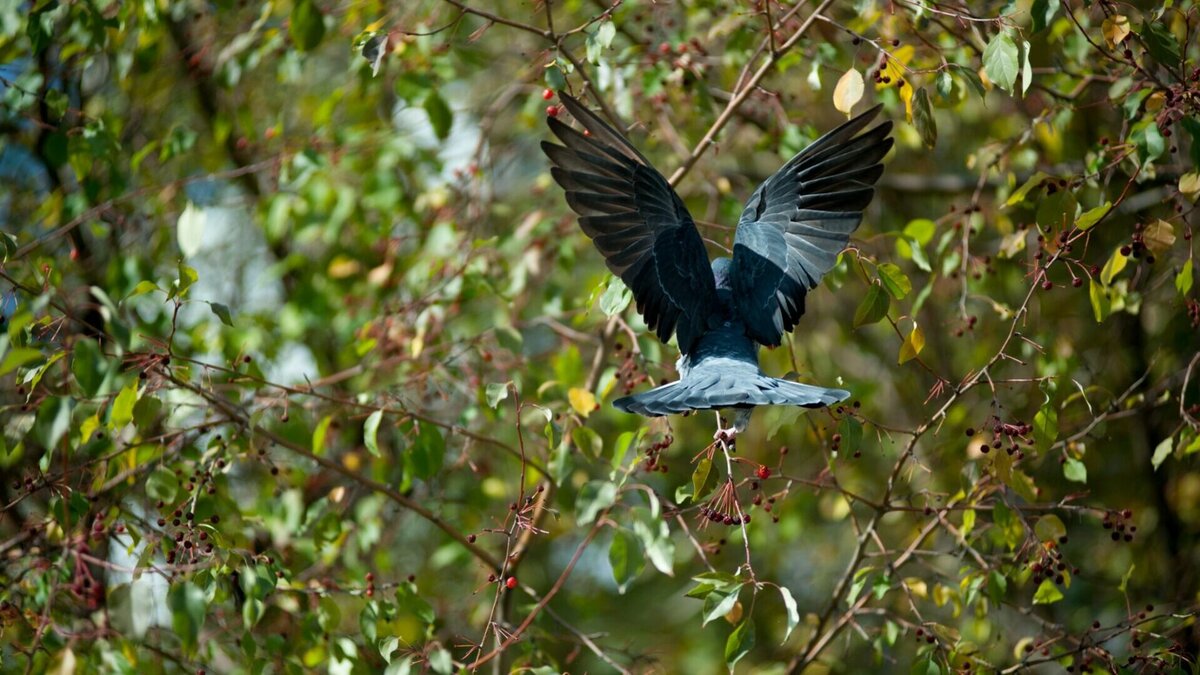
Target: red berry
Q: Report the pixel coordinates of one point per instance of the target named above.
(547, 94)
(510, 583)
(552, 110)
(763, 472)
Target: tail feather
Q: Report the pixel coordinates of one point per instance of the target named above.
(711, 391)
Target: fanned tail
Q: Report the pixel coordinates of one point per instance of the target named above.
(712, 391)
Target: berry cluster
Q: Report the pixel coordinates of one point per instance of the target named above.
(724, 507)
(653, 461)
(1012, 434)
(1121, 524)
(1050, 563)
(190, 539)
(628, 376)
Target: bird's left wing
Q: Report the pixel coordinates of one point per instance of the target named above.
(638, 222)
(797, 222)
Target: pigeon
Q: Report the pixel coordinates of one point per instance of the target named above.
(721, 312)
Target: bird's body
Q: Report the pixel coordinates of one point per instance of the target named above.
(788, 237)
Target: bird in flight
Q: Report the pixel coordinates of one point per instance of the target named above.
(789, 235)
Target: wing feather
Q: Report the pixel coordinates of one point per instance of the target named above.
(798, 220)
(638, 222)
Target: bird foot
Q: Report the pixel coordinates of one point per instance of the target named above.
(726, 437)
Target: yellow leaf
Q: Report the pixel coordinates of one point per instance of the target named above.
(582, 400)
(917, 586)
(734, 615)
(913, 344)
(849, 91)
(1158, 236)
(1113, 267)
(1115, 29)
(1189, 184)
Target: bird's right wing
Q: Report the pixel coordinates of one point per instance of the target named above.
(638, 222)
(797, 222)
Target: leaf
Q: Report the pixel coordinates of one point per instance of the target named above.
(1101, 305)
(1161, 43)
(371, 432)
(700, 477)
(625, 558)
(1034, 181)
(440, 116)
(306, 25)
(897, 284)
(162, 484)
(1075, 470)
(1042, 13)
(1158, 236)
(793, 613)
(408, 600)
(1092, 216)
(873, 308)
(1057, 211)
(852, 433)
(1026, 68)
(1189, 184)
(582, 401)
(1000, 61)
(1183, 280)
(717, 605)
(373, 49)
(1162, 451)
(1045, 428)
(1050, 528)
(188, 607)
(496, 392)
(740, 642)
(923, 118)
(222, 312)
(424, 459)
(913, 344)
(605, 33)
(122, 408)
(319, 434)
(616, 297)
(1047, 593)
(594, 497)
(849, 91)
(189, 230)
(1115, 29)
(88, 365)
(1113, 267)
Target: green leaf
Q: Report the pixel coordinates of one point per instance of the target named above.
(1043, 12)
(408, 601)
(625, 558)
(146, 412)
(222, 312)
(371, 432)
(1000, 61)
(1101, 305)
(1126, 577)
(189, 229)
(555, 78)
(17, 358)
(424, 459)
(1116, 263)
(440, 116)
(897, 284)
(1074, 470)
(700, 477)
(1050, 528)
(88, 365)
(162, 484)
(1161, 43)
(873, 308)
(740, 642)
(923, 118)
(1162, 451)
(616, 297)
(122, 408)
(717, 605)
(1183, 280)
(1047, 593)
(793, 613)
(188, 607)
(1093, 216)
(496, 392)
(306, 25)
(594, 497)
(1019, 195)
(1045, 428)
(1057, 211)
(319, 434)
(1026, 68)
(852, 432)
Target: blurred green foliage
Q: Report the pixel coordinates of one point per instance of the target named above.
(306, 364)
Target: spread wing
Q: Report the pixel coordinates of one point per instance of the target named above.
(638, 222)
(797, 222)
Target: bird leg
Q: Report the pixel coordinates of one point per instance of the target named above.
(724, 436)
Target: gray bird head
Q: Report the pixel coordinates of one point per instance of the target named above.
(721, 268)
